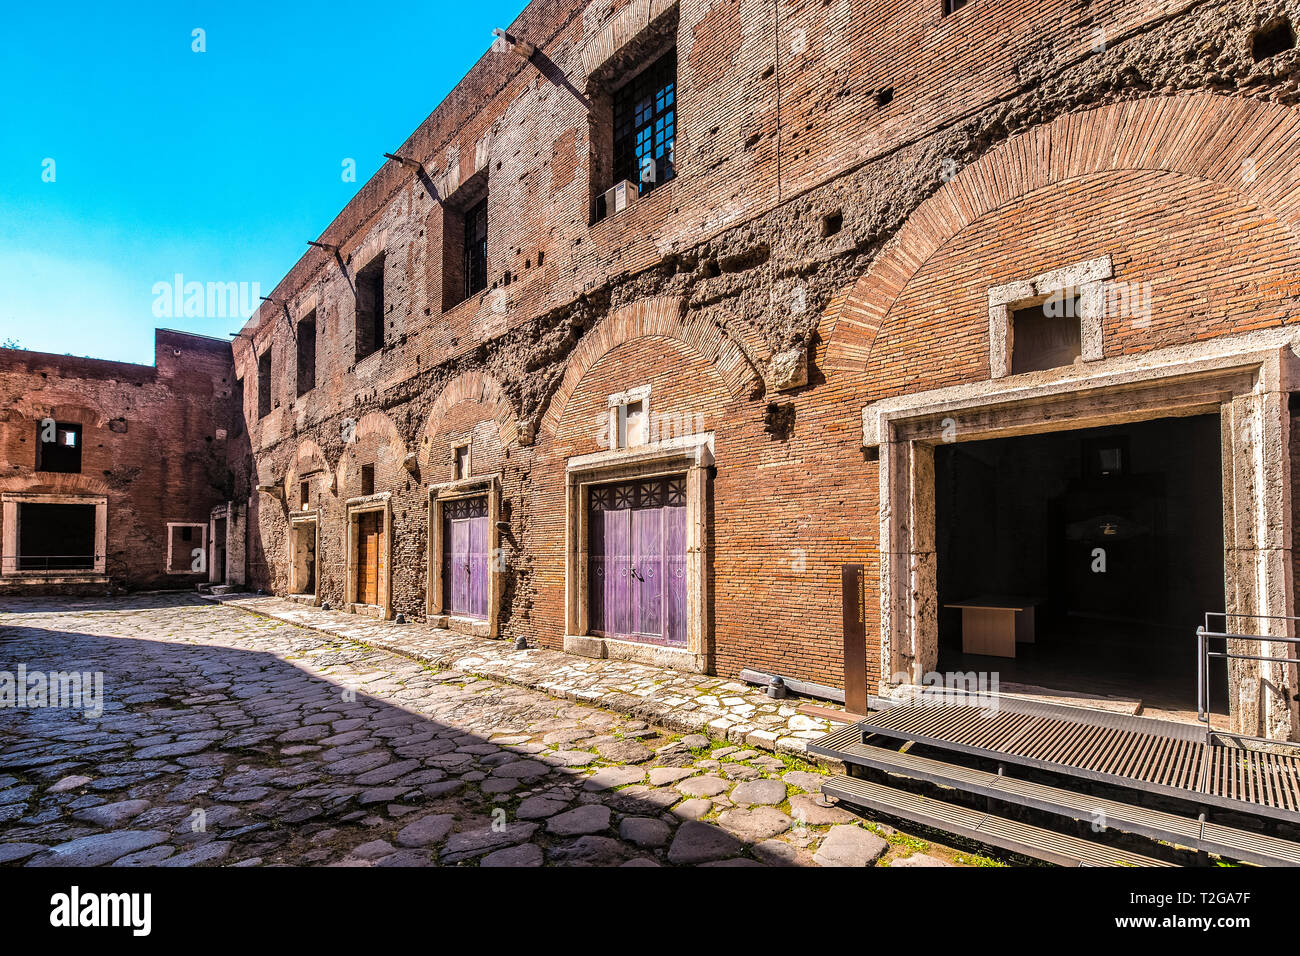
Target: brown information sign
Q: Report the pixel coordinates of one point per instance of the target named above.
(854, 585)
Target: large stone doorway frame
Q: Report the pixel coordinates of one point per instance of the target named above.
(9, 545)
(485, 486)
(230, 521)
(691, 455)
(304, 539)
(1246, 380)
(380, 503)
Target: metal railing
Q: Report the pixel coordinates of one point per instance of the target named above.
(15, 563)
(1204, 635)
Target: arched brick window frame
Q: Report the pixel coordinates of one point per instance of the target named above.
(1249, 151)
(1241, 145)
(659, 316)
(483, 390)
(310, 467)
(379, 427)
(692, 456)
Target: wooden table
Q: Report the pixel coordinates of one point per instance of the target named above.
(993, 626)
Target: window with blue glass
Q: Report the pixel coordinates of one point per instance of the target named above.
(476, 226)
(645, 115)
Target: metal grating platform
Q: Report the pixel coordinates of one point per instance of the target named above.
(1172, 828)
(1134, 752)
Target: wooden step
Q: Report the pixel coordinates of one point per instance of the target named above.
(1012, 835)
(1113, 814)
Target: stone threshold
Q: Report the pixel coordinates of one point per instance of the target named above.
(717, 707)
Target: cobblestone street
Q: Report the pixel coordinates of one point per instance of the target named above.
(228, 738)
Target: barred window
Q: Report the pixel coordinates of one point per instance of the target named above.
(645, 123)
(476, 225)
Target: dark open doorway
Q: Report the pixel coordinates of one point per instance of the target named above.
(56, 537)
(1109, 541)
(217, 570)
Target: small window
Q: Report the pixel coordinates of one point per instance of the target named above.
(632, 424)
(306, 354)
(264, 383)
(367, 480)
(465, 241)
(952, 6)
(460, 462)
(58, 447)
(370, 308)
(304, 495)
(186, 548)
(1105, 458)
(645, 121)
(476, 227)
(237, 400)
(1046, 335)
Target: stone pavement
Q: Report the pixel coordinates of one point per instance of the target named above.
(234, 739)
(685, 703)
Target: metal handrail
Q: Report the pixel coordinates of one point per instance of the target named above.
(42, 562)
(1203, 656)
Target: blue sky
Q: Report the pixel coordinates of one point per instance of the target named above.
(217, 165)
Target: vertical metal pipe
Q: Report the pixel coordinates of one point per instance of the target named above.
(1201, 666)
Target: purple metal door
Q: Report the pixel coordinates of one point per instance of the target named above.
(597, 571)
(637, 560)
(675, 571)
(465, 557)
(478, 567)
(646, 571)
(459, 566)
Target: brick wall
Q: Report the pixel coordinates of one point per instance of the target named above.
(152, 442)
(844, 186)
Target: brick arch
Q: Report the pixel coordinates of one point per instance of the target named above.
(307, 454)
(620, 30)
(80, 414)
(378, 425)
(47, 482)
(379, 429)
(1201, 135)
(482, 389)
(661, 316)
(61, 406)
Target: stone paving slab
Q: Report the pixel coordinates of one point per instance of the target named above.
(235, 739)
(683, 703)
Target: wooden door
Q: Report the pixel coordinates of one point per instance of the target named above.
(637, 560)
(465, 557)
(368, 532)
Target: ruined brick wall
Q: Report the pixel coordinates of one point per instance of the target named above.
(154, 442)
(809, 142)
